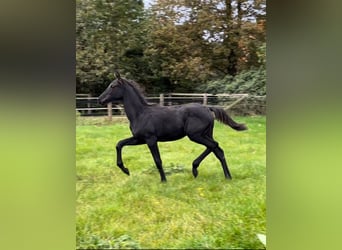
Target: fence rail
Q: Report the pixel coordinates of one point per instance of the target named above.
(241, 104)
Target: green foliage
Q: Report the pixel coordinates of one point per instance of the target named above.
(251, 81)
(107, 32)
(174, 46)
(185, 213)
(193, 40)
(216, 86)
(261, 53)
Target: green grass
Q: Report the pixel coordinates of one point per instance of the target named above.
(138, 211)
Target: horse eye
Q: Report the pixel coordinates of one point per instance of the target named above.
(112, 86)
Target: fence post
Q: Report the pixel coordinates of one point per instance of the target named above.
(161, 99)
(205, 99)
(237, 101)
(170, 102)
(109, 108)
(88, 104)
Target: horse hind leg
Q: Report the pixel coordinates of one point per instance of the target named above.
(198, 161)
(198, 138)
(220, 155)
(212, 146)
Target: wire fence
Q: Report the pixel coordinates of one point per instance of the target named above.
(236, 104)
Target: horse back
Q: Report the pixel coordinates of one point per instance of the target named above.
(172, 122)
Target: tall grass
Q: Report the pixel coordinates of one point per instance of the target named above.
(138, 211)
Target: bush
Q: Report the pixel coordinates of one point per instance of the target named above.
(251, 82)
(217, 86)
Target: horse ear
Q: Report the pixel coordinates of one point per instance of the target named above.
(117, 74)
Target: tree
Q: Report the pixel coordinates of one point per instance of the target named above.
(194, 41)
(108, 35)
(177, 46)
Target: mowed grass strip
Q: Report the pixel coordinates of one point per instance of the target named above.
(206, 212)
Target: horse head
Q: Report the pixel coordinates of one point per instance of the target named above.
(114, 91)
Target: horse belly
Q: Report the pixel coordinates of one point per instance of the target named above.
(170, 130)
(172, 137)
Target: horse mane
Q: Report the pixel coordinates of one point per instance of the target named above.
(138, 90)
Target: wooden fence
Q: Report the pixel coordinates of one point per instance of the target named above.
(242, 104)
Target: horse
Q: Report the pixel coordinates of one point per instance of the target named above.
(152, 123)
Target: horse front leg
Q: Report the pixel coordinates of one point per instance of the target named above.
(153, 146)
(119, 146)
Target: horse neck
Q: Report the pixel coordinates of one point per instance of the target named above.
(134, 104)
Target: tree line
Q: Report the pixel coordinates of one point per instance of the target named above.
(174, 46)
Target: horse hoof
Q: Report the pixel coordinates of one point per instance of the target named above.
(194, 172)
(125, 170)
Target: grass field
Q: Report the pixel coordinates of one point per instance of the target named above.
(114, 210)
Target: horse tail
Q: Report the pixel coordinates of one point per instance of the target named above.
(223, 117)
